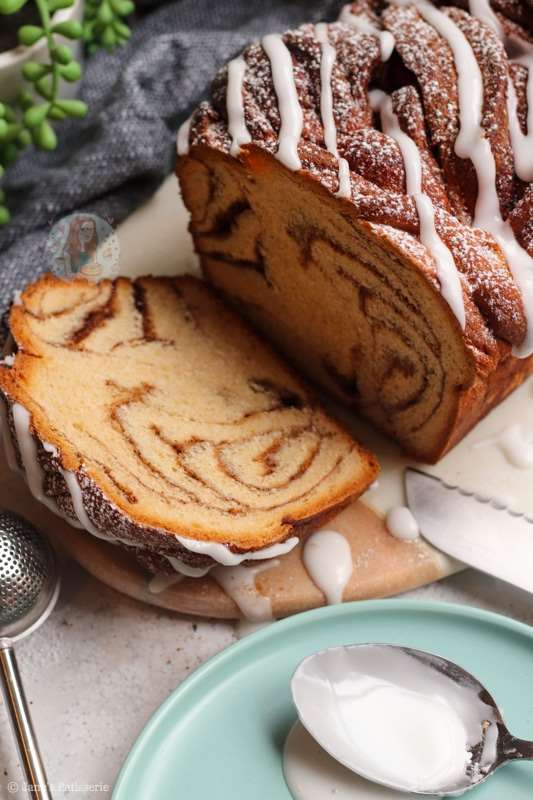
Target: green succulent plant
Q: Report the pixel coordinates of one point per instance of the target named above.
(104, 24)
(31, 118)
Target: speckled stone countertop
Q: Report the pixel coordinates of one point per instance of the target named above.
(102, 664)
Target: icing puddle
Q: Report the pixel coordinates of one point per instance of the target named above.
(239, 584)
(494, 460)
(401, 524)
(515, 445)
(312, 774)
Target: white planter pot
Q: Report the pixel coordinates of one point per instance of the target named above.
(12, 61)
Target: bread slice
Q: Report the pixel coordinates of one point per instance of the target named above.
(173, 417)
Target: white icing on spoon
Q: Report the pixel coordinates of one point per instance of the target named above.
(472, 144)
(363, 25)
(290, 111)
(327, 61)
(401, 524)
(235, 105)
(522, 142)
(327, 558)
(394, 715)
(239, 584)
(447, 272)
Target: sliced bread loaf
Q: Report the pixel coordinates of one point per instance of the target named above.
(150, 412)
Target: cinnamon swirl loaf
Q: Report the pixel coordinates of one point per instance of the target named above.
(148, 413)
(361, 191)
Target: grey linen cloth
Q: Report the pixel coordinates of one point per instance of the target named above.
(111, 161)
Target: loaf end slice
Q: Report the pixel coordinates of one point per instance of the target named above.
(174, 418)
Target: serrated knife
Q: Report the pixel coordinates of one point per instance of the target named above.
(477, 530)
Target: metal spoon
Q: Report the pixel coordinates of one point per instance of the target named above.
(29, 586)
(325, 680)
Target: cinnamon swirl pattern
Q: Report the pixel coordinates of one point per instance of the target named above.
(374, 217)
(148, 412)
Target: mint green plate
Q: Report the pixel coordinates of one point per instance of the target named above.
(220, 735)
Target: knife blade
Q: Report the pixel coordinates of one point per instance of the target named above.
(477, 530)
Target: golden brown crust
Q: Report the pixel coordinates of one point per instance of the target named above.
(422, 81)
(375, 158)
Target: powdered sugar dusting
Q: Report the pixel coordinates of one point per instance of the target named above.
(428, 112)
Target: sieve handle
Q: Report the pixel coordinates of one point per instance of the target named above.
(17, 706)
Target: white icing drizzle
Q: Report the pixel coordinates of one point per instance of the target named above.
(345, 181)
(227, 558)
(32, 469)
(160, 582)
(363, 25)
(182, 143)
(50, 448)
(522, 143)
(239, 584)
(290, 111)
(28, 453)
(328, 57)
(472, 144)
(327, 558)
(447, 272)
(401, 524)
(77, 501)
(514, 444)
(186, 570)
(30, 461)
(235, 105)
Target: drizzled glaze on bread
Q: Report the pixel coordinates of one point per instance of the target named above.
(350, 287)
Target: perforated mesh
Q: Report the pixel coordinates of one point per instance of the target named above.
(23, 567)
